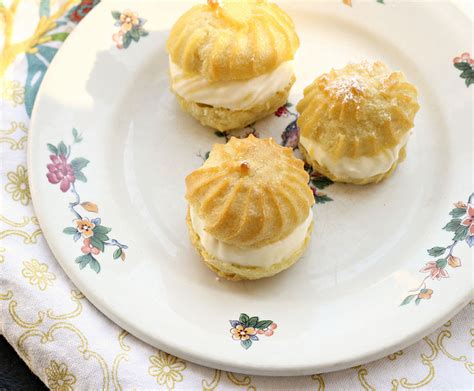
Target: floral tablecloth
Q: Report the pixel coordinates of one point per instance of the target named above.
(63, 338)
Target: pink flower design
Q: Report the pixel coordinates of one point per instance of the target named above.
(118, 39)
(435, 271)
(89, 248)
(269, 330)
(469, 220)
(60, 171)
(282, 111)
(465, 57)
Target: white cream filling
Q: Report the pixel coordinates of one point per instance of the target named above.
(264, 256)
(359, 168)
(235, 94)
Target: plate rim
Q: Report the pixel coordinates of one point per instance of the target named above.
(252, 370)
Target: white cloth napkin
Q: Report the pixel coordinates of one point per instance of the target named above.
(71, 345)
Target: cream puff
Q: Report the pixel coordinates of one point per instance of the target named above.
(355, 122)
(231, 63)
(249, 213)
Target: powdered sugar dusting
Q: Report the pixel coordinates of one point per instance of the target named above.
(349, 89)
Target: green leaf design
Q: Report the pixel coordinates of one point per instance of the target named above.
(321, 182)
(252, 322)
(263, 324)
(101, 237)
(117, 253)
(143, 33)
(246, 344)
(79, 163)
(469, 81)
(80, 176)
(52, 149)
(441, 263)
(60, 37)
(453, 225)
(408, 299)
(94, 264)
(76, 135)
(127, 39)
(97, 243)
(244, 318)
(462, 66)
(381, 1)
(461, 233)
(62, 148)
(467, 73)
(116, 15)
(458, 212)
(322, 198)
(417, 301)
(436, 251)
(83, 260)
(135, 34)
(70, 230)
(100, 229)
(288, 104)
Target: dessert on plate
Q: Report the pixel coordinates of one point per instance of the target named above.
(231, 63)
(355, 122)
(249, 213)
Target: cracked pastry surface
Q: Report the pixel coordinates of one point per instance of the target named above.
(249, 208)
(234, 60)
(355, 122)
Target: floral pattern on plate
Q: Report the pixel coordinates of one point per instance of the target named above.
(290, 138)
(94, 235)
(465, 63)
(462, 224)
(246, 329)
(131, 28)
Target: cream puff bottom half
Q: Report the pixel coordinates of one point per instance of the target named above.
(226, 119)
(345, 179)
(234, 272)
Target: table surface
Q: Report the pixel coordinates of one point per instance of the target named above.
(14, 373)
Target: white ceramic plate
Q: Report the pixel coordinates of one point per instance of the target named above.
(340, 305)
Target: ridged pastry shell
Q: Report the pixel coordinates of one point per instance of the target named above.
(239, 39)
(234, 272)
(250, 192)
(358, 110)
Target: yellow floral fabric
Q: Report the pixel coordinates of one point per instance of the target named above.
(70, 345)
(18, 185)
(37, 274)
(12, 91)
(59, 378)
(167, 369)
